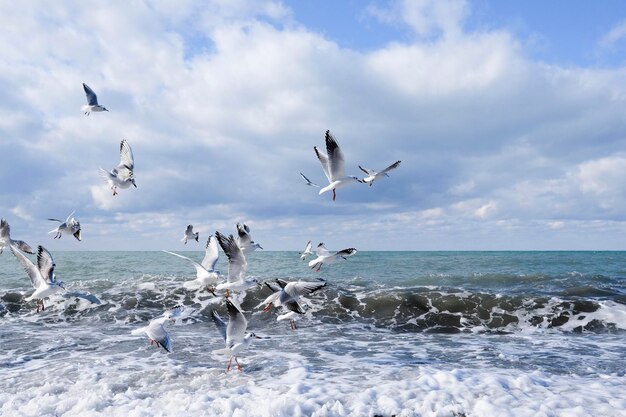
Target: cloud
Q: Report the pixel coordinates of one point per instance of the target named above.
(222, 103)
(616, 35)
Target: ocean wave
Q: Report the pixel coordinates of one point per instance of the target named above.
(417, 309)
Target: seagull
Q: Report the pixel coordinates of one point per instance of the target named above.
(374, 175)
(92, 101)
(156, 331)
(206, 276)
(244, 240)
(237, 265)
(308, 181)
(333, 165)
(307, 251)
(41, 276)
(189, 234)
(70, 226)
(234, 333)
(5, 239)
(121, 176)
(287, 294)
(324, 256)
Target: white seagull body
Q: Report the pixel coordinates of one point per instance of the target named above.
(324, 256)
(92, 101)
(206, 276)
(334, 166)
(5, 239)
(234, 333)
(189, 234)
(71, 226)
(374, 175)
(307, 251)
(244, 240)
(156, 331)
(122, 176)
(41, 276)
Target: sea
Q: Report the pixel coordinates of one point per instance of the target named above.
(456, 334)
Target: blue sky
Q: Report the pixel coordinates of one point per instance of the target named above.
(509, 119)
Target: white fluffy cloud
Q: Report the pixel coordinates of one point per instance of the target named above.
(223, 102)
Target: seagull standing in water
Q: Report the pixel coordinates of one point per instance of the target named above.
(41, 276)
(189, 234)
(237, 265)
(206, 276)
(70, 226)
(374, 175)
(244, 240)
(324, 256)
(122, 176)
(92, 101)
(5, 239)
(234, 333)
(334, 166)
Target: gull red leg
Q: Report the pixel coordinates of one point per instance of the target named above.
(238, 366)
(229, 362)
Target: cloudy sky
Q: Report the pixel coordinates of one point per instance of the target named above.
(509, 119)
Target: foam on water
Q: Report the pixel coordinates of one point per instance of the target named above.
(453, 340)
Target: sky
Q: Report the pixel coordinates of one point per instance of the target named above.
(509, 119)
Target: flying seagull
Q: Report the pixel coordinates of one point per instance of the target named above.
(189, 234)
(92, 101)
(334, 166)
(206, 276)
(234, 333)
(5, 239)
(374, 175)
(324, 256)
(237, 265)
(41, 276)
(156, 331)
(307, 251)
(70, 226)
(308, 181)
(122, 176)
(244, 240)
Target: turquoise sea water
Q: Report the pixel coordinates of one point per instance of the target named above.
(458, 333)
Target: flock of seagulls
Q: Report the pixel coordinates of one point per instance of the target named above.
(289, 296)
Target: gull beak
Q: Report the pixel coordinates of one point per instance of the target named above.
(258, 337)
(173, 321)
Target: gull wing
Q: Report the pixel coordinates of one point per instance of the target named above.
(69, 217)
(346, 252)
(236, 260)
(296, 289)
(92, 99)
(336, 164)
(273, 286)
(45, 263)
(219, 323)
(308, 181)
(390, 167)
(211, 254)
(307, 250)
(324, 161)
(200, 270)
(321, 250)
(126, 156)
(367, 170)
(237, 324)
(23, 246)
(33, 273)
